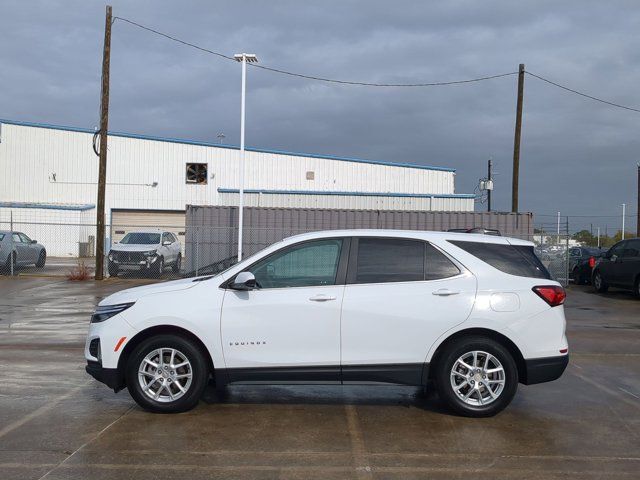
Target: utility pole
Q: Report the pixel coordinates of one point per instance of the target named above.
(624, 208)
(104, 126)
(243, 58)
(490, 183)
(638, 208)
(516, 141)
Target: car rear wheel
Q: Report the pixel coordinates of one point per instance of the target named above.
(167, 374)
(7, 264)
(598, 283)
(177, 264)
(42, 258)
(476, 376)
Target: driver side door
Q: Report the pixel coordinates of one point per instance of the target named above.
(288, 329)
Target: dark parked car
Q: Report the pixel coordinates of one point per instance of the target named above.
(581, 263)
(25, 251)
(619, 267)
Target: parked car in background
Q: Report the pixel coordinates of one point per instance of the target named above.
(25, 250)
(581, 263)
(474, 314)
(148, 250)
(619, 267)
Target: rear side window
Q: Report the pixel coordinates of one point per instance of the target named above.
(517, 260)
(438, 265)
(632, 249)
(382, 260)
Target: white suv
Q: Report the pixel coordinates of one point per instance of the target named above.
(475, 314)
(148, 250)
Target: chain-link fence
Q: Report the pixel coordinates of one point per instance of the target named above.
(169, 252)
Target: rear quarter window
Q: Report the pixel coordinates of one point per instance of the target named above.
(519, 260)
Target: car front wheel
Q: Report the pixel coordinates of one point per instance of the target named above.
(598, 283)
(476, 376)
(42, 259)
(167, 374)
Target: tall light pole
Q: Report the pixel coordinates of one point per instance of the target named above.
(624, 208)
(243, 58)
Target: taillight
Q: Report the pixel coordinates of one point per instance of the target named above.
(592, 262)
(552, 294)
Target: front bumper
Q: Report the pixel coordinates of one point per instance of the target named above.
(111, 377)
(547, 369)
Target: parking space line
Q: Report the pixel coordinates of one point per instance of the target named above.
(607, 390)
(40, 411)
(627, 391)
(89, 441)
(363, 470)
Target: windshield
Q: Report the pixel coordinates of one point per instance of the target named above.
(141, 238)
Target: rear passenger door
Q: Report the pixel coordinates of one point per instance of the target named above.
(401, 295)
(629, 263)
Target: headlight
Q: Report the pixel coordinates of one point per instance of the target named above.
(110, 255)
(150, 253)
(108, 311)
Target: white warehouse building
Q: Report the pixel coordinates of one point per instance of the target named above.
(48, 183)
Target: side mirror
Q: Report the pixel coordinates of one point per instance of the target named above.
(166, 243)
(244, 281)
(34, 241)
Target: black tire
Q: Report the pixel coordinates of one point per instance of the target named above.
(42, 258)
(177, 264)
(158, 268)
(599, 285)
(199, 371)
(112, 269)
(6, 268)
(457, 349)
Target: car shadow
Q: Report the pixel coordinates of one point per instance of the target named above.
(370, 395)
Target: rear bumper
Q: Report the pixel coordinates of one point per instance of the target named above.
(547, 369)
(109, 376)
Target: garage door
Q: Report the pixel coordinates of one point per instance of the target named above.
(125, 221)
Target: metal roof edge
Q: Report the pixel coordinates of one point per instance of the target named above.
(48, 206)
(231, 147)
(356, 194)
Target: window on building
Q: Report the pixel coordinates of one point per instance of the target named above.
(197, 173)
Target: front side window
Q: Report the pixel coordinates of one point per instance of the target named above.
(24, 238)
(305, 265)
(517, 260)
(617, 249)
(141, 238)
(382, 260)
(16, 238)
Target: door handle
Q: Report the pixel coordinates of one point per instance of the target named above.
(445, 292)
(321, 298)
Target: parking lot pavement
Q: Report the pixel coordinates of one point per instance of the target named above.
(56, 422)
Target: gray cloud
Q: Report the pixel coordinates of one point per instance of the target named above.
(577, 156)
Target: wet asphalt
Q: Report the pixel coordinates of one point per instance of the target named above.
(58, 423)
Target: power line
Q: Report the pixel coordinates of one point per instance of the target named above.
(312, 77)
(583, 94)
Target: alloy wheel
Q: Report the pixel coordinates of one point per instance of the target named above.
(477, 378)
(165, 374)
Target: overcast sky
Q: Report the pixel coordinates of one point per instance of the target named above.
(577, 156)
